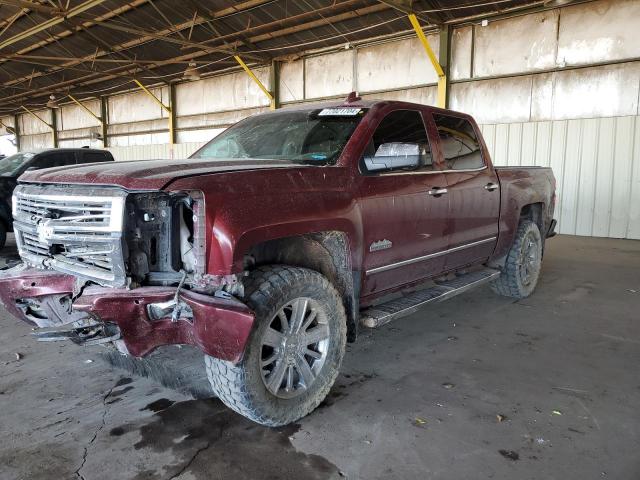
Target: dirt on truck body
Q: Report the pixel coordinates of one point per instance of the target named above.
(274, 243)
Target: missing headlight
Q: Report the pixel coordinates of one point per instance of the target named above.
(162, 237)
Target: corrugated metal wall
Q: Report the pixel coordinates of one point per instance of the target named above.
(596, 163)
(148, 152)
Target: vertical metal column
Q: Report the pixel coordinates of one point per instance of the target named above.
(16, 126)
(275, 83)
(105, 121)
(54, 127)
(172, 114)
(444, 58)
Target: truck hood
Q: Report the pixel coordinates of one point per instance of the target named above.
(146, 174)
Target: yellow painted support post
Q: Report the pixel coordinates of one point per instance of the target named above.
(100, 119)
(86, 109)
(12, 129)
(36, 116)
(172, 135)
(272, 101)
(51, 126)
(442, 78)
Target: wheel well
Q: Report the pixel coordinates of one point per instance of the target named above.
(533, 212)
(324, 252)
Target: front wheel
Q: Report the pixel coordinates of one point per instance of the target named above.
(520, 274)
(294, 353)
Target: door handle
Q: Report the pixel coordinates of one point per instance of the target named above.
(436, 192)
(491, 186)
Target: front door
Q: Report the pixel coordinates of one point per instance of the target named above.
(404, 225)
(473, 189)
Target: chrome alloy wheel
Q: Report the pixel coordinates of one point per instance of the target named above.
(294, 348)
(529, 262)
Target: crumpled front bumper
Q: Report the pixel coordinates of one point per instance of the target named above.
(220, 327)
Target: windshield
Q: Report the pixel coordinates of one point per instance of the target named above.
(312, 136)
(10, 166)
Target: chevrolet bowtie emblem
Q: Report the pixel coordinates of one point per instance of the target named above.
(45, 231)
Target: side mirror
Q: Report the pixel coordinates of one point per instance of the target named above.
(394, 155)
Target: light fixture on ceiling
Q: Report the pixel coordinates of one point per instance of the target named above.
(191, 73)
(51, 103)
(557, 3)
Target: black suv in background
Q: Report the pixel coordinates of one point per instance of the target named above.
(15, 165)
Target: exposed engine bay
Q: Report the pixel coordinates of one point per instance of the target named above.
(126, 242)
(110, 237)
(162, 238)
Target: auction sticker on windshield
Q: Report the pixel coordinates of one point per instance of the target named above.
(339, 112)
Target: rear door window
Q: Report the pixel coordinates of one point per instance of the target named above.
(459, 142)
(92, 157)
(49, 160)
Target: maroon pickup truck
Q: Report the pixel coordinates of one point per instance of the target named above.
(275, 242)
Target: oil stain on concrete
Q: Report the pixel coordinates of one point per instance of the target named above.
(213, 442)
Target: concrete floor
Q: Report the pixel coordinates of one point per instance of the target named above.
(420, 398)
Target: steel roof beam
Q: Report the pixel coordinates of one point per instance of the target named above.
(137, 41)
(300, 27)
(66, 33)
(72, 12)
(178, 41)
(93, 60)
(35, 7)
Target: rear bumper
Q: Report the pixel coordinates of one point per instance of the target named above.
(220, 327)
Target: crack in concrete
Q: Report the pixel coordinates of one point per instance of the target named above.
(190, 462)
(95, 434)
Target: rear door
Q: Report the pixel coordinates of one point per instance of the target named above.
(403, 225)
(473, 191)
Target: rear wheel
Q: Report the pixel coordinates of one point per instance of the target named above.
(294, 353)
(522, 268)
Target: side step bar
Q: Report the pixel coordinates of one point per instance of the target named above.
(382, 314)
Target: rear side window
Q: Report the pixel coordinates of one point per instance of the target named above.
(399, 143)
(460, 145)
(49, 160)
(92, 157)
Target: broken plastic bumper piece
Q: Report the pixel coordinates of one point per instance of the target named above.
(139, 319)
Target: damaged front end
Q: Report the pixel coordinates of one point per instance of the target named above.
(108, 266)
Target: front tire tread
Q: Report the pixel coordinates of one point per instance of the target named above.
(230, 382)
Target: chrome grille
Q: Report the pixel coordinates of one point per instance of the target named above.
(74, 230)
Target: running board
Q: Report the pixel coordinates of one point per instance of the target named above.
(382, 314)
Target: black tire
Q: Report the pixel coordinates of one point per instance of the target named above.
(3, 235)
(241, 386)
(516, 280)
